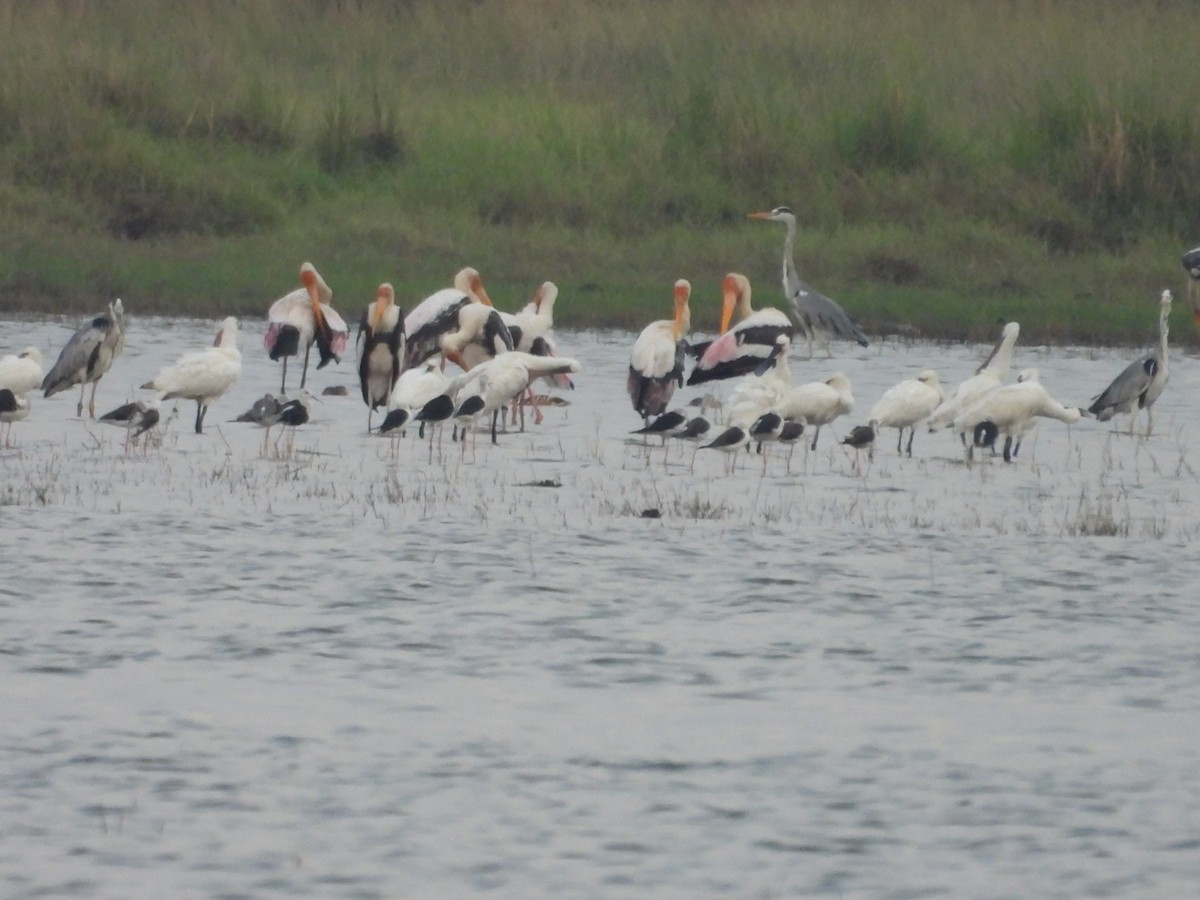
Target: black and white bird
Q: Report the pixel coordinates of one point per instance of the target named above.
(380, 348)
(13, 408)
(290, 414)
(1141, 383)
(88, 355)
(819, 316)
(729, 442)
(136, 418)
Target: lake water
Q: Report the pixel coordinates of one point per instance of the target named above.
(351, 671)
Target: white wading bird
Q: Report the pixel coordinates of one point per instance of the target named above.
(818, 403)
(88, 355)
(1142, 381)
(1009, 411)
(656, 363)
(819, 316)
(488, 387)
(991, 373)
(904, 405)
(414, 388)
(380, 348)
(301, 318)
(21, 373)
(740, 349)
(202, 376)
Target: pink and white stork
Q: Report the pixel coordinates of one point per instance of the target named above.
(301, 318)
(741, 349)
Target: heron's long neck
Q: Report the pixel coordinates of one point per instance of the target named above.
(1162, 333)
(790, 277)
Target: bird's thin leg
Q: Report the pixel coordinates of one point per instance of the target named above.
(816, 434)
(1008, 441)
(912, 431)
(92, 399)
(79, 407)
(304, 374)
(1149, 420)
(495, 419)
(283, 381)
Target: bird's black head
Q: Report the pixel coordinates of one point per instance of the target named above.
(1150, 364)
(1191, 262)
(985, 434)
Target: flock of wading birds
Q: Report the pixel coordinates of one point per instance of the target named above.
(402, 369)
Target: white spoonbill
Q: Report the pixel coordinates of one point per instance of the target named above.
(740, 349)
(818, 403)
(1009, 411)
(88, 355)
(301, 318)
(491, 385)
(758, 393)
(906, 405)
(21, 373)
(380, 347)
(1142, 381)
(819, 316)
(656, 363)
(202, 376)
(991, 373)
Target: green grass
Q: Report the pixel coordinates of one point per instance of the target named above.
(951, 163)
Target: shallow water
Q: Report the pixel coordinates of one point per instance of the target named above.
(353, 672)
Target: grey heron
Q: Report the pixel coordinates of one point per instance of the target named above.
(88, 355)
(1142, 381)
(819, 316)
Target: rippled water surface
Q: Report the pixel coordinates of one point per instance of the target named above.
(354, 671)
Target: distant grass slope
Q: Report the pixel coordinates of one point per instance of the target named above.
(951, 163)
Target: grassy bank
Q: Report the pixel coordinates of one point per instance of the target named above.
(951, 163)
